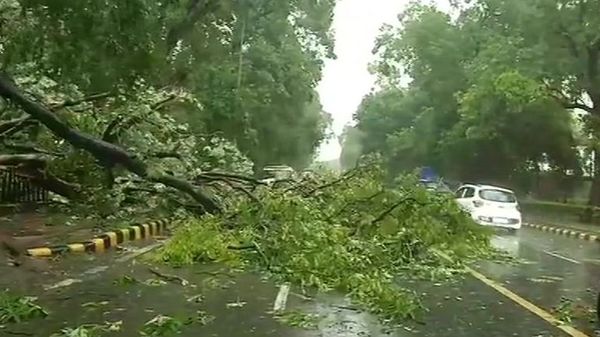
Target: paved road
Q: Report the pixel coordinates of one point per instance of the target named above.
(554, 267)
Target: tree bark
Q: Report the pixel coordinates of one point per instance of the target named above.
(108, 154)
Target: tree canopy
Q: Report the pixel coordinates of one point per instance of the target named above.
(146, 85)
(488, 83)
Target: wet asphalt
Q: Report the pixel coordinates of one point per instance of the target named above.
(551, 268)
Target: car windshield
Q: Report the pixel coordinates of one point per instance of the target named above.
(497, 195)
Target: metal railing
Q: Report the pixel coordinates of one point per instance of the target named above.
(18, 189)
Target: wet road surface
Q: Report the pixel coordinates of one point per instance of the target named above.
(241, 304)
(554, 267)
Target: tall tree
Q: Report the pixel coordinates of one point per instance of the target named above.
(115, 84)
(474, 92)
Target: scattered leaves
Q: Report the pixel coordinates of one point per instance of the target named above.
(126, 280)
(299, 319)
(236, 304)
(162, 325)
(89, 330)
(15, 309)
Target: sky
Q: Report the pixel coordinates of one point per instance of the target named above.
(346, 79)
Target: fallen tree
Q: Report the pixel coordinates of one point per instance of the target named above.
(107, 154)
(352, 234)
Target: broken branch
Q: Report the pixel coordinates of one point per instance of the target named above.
(392, 208)
(239, 177)
(10, 127)
(32, 149)
(106, 153)
(31, 160)
(90, 98)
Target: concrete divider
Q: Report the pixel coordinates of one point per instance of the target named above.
(104, 241)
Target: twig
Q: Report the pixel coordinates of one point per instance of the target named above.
(348, 175)
(215, 273)
(90, 98)
(11, 127)
(109, 133)
(250, 246)
(346, 307)
(170, 278)
(158, 105)
(18, 333)
(212, 175)
(262, 254)
(392, 208)
(32, 149)
(238, 188)
(301, 296)
(341, 210)
(253, 246)
(140, 189)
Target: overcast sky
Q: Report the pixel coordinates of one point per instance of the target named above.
(346, 79)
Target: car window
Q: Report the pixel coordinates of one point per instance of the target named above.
(459, 192)
(497, 195)
(469, 192)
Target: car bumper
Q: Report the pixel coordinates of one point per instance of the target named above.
(488, 221)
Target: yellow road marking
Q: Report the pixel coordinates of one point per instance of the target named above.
(571, 331)
(534, 309)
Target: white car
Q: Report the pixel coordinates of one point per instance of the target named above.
(490, 205)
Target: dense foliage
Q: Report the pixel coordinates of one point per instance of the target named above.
(183, 86)
(351, 234)
(490, 82)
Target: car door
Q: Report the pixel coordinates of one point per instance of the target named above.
(467, 199)
(458, 195)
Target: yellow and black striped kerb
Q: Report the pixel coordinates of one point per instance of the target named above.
(564, 231)
(104, 241)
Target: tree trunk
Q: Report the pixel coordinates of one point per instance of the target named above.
(106, 153)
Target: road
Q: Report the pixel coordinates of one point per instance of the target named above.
(553, 266)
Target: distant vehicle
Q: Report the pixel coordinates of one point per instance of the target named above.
(437, 186)
(429, 174)
(490, 205)
(274, 173)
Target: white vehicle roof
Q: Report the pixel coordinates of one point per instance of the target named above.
(278, 168)
(483, 187)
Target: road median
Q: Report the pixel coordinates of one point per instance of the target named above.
(104, 241)
(578, 233)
